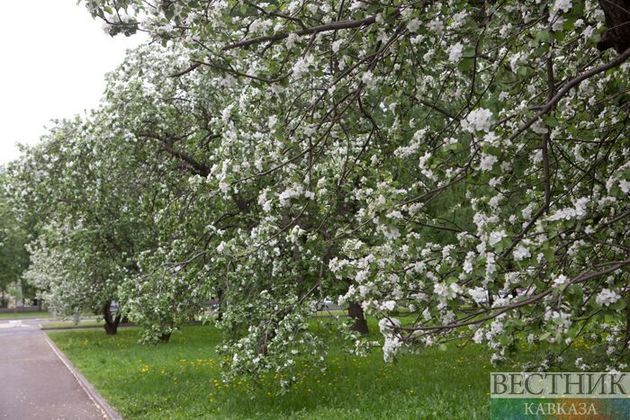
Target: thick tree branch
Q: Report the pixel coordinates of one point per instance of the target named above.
(333, 26)
(544, 109)
(472, 320)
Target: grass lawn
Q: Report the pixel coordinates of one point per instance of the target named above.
(25, 315)
(92, 323)
(182, 380)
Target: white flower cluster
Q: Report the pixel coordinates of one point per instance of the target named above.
(607, 297)
(444, 292)
(521, 252)
(562, 5)
(578, 211)
(487, 162)
(292, 192)
(455, 52)
(560, 280)
(479, 294)
(301, 66)
(480, 119)
(393, 342)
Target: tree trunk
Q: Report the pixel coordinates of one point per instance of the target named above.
(220, 307)
(355, 311)
(617, 35)
(111, 323)
(164, 338)
(626, 344)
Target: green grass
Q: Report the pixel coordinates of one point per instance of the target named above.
(332, 312)
(25, 315)
(182, 380)
(71, 324)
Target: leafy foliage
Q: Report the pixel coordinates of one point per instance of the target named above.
(13, 239)
(463, 161)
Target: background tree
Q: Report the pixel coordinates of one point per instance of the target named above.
(13, 253)
(91, 216)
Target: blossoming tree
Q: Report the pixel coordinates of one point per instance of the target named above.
(91, 215)
(465, 162)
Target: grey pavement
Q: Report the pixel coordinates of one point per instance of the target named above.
(37, 383)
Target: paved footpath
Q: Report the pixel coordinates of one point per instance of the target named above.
(37, 382)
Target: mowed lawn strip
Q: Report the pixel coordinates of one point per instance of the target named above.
(182, 380)
(24, 315)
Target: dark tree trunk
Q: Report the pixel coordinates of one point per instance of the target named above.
(617, 36)
(111, 322)
(626, 344)
(164, 338)
(220, 307)
(355, 311)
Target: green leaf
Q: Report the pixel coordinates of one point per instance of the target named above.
(542, 36)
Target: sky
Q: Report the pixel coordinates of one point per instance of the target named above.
(53, 60)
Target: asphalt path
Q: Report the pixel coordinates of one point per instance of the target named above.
(38, 382)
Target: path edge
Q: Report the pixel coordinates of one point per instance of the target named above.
(101, 403)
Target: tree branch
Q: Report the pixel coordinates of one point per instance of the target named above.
(333, 26)
(544, 109)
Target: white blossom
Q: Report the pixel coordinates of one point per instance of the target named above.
(479, 294)
(496, 237)
(413, 25)
(521, 252)
(607, 297)
(455, 52)
(560, 281)
(487, 162)
(480, 119)
(563, 5)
